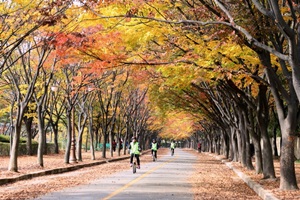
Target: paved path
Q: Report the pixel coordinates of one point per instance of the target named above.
(165, 179)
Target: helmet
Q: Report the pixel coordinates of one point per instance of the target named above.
(133, 138)
(153, 140)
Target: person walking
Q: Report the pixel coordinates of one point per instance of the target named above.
(134, 151)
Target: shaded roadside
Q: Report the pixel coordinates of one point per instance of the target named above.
(230, 177)
(212, 179)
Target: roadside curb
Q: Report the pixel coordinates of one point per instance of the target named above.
(60, 170)
(264, 194)
(257, 188)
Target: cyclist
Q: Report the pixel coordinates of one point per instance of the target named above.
(134, 151)
(154, 148)
(172, 146)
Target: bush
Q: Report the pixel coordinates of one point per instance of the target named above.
(5, 146)
(4, 138)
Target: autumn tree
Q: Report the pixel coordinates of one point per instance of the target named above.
(23, 84)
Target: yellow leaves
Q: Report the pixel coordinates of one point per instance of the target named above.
(21, 3)
(23, 88)
(177, 126)
(179, 76)
(114, 10)
(251, 60)
(286, 13)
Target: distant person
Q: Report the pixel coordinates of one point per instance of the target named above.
(114, 144)
(121, 143)
(154, 147)
(134, 151)
(199, 147)
(172, 147)
(126, 144)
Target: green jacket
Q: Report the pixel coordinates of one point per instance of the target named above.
(134, 148)
(154, 146)
(172, 145)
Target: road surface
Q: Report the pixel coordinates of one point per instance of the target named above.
(165, 179)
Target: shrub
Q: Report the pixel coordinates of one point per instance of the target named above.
(4, 138)
(4, 148)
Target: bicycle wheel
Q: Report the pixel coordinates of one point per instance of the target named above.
(153, 156)
(134, 167)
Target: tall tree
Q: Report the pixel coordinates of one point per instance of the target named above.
(22, 98)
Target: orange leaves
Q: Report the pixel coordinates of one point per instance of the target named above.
(91, 47)
(103, 47)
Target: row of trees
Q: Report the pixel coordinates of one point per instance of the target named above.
(244, 74)
(226, 69)
(57, 78)
(236, 62)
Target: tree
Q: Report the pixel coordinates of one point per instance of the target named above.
(22, 98)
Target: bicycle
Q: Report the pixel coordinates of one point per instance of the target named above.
(134, 165)
(172, 151)
(153, 156)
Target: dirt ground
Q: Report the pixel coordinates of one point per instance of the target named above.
(271, 186)
(211, 177)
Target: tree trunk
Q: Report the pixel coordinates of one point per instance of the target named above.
(42, 135)
(287, 166)
(92, 147)
(234, 146)
(210, 145)
(55, 130)
(79, 145)
(28, 125)
(13, 162)
(241, 136)
(239, 146)
(69, 137)
(217, 145)
(226, 139)
(110, 144)
(257, 154)
(248, 156)
(268, 162)
(287, 117)
(105, 135)
(231, 153)
(275, 150)
(81, 127)
(263, 122)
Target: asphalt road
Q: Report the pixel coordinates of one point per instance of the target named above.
(165, 179)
